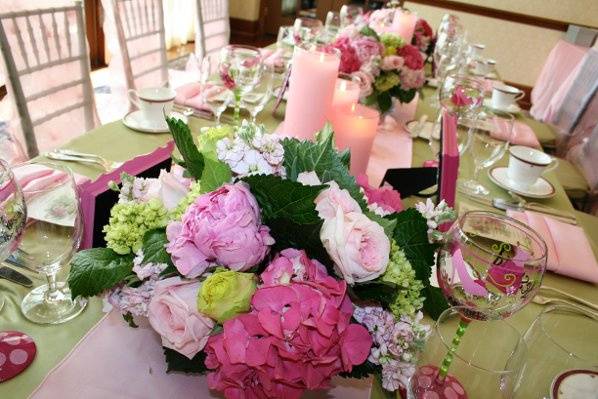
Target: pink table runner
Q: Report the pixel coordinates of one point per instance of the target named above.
(119, 362)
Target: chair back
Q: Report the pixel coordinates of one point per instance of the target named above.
(213, 27)
(135, 33)
(46, 62)
(584, 155)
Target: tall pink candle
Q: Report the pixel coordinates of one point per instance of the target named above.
(355, 128)
(346, 93)
(404, 24)
(311, 88)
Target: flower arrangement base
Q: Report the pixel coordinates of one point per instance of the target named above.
(426, 385)
(404, 112)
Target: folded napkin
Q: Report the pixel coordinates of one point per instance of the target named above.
(34, 177)
(193, 94)
(273, 58)
(522, 133)
(569, 251)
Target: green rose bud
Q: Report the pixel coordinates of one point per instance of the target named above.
(225, 294)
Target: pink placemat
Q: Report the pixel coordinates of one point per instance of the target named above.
(119, 362)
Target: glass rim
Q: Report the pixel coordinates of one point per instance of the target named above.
(447, 343)
(539, 240)
(241, 46)
(560, 307)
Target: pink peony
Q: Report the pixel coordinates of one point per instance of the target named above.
(367, 48)
(297, 336)
(460, 98)
(412, 57)
(385, 197)
(332, 198)
(392, 62)
(412, 79)
(172, 312)
(350, 61)
(221, 228)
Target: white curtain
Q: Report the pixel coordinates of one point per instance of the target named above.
(179, 21)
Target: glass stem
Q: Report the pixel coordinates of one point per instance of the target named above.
(476, 172)
(237, 107)
(53, 293)
(448, 358)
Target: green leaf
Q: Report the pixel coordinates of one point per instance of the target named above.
(375, 290)
(181, 133)
(435, 302)
(301, 236)
(281, 198)
(346, 157)
(321, 157)
(128, 317)
(367, 31)
(404, 96)
(387, 224)
(179, 362)
(372, 99)
(154, 247)
(215, 174)
(384, 101)
(97, 269)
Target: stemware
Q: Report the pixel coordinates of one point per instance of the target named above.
(332, 24)
(349, 13)
(561, 346)
(217, 97)
(256, 100)
(483, 368)
(51, 237)
(491, 266)
(12, 213)
(239, 69)
(307, 29)
(490, 134)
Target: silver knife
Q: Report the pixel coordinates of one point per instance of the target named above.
(14, 276)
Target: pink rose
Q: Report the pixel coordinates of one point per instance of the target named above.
(385, 197)
(350, 61)
(170, 187)
(332, 198)
(412, 57)
(357, 245)
(423, 35)
(366, 81)
(392, 62)
(366, 48)
(172, 312)
(460, 98)
(221, 228)
(412, 79)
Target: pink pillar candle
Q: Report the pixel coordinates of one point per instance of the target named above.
(404, 24)
(355, 128)
(311, 88)
(346, 93)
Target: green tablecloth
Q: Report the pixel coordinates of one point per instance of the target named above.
(118, 143)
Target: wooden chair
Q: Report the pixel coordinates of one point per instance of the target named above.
(213, 27)
(48, 74)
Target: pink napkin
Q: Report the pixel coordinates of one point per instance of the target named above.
(569, 251)
(119, 362)
(34, 177)
(273, 58)
(190, 95)
(522, 134)
(392, 148)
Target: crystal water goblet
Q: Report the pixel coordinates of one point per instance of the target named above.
(261, 94)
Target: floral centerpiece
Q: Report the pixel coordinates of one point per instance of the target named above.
(261, 262)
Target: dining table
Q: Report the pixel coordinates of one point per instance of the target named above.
(115, 142)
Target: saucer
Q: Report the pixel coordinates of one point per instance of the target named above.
(513, 108)
(540, 189)
(426, 132)
(134, 120)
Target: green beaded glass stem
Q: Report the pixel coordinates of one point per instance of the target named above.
(448, 358)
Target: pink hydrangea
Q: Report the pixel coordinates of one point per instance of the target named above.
(367, 48)
(411, 56)
(221, 228)
(297, 336)
(350, 61)
(384, 198)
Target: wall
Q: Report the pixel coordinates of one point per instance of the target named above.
(248, 10)
(519, 49)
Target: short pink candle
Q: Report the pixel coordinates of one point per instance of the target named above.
(404, 24)
(355, 127)
(346, 93)
(311, 88)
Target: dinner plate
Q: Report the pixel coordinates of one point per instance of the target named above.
(135, 120)
(512, 109)
(542, 188)
(575, 384)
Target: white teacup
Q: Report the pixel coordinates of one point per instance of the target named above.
(153, 102)
(477, 49)
(526, 165)
(505, 96)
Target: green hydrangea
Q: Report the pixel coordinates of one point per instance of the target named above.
(407, 300)
(129, 221)
(386, 81)
(391, 43)
(206, 141)
(194, 192)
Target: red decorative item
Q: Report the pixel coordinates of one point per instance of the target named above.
(426, 385)
(17, 351)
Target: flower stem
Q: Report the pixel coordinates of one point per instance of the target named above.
(448, 358)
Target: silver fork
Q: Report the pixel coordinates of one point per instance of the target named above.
(74, 156)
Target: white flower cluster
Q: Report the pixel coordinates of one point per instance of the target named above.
(435, 215)
(133, 188)
(252, 151)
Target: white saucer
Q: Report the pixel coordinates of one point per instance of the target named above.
(426, 132)
(540, 189)
(513, 108)
(134, 120)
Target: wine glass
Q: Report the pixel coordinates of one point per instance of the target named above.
(332, 24)
(490, 134)
(12, 213)
(312, 26)
(483, 368)
(562, 339)
(256, 100)
(51, 237)
(350, 13)
(491, 266)
(217, 97)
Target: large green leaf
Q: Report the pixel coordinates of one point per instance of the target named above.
(321, 157)
(435, 302)
(384, 100)
(375, 290)
(387, 223)
(97, 269)
(280, 198)
(154, 247)
(215, 174)
(176, 361)
(194, 161)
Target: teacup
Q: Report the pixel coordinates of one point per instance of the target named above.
(154, 103)
(477, 49)
(505, 96)
(526, 165)
(483, 67)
